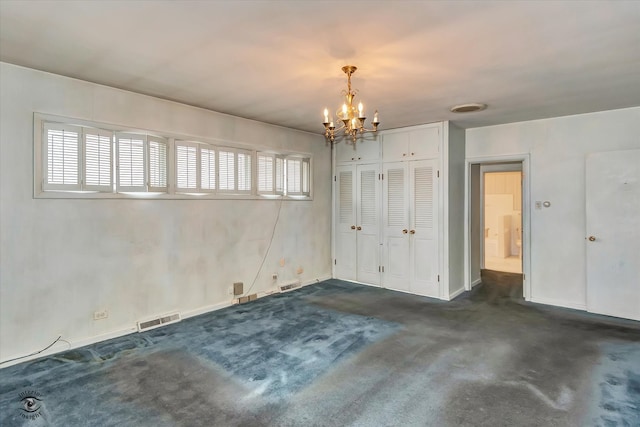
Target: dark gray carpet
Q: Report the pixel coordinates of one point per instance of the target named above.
(336, 354)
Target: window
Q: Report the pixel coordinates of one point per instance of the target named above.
(207, 168)
(130, 162)
(157, 164)
(235, 170)
(61, 157)
(298, 170)
(186, 166)
(98, 159)
(270, 173)
(78, 158)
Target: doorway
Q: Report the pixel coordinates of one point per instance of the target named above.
(502, 218)
(496, 222)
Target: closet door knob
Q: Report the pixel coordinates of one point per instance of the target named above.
(405, 231)
(353, 227)
(592, 238)
(359, 228)
(412, 232)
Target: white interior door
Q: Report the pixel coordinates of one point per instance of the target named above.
(345, 246)
(423, 234)
(395, 219)
(368, 224)
(613, 233)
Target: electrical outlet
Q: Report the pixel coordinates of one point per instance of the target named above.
(274, 276)
(101, 314)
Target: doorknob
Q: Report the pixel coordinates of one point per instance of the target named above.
(592, 238)
(353, 227)
(405, 231)
(359, 228)
(412, 232)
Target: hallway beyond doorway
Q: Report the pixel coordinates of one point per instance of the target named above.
(511, 264)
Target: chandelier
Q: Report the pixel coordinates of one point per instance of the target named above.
(352, 117)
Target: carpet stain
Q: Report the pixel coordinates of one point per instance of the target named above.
(341, 354)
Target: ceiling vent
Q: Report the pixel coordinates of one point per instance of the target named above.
(468, 108)
(158, 321)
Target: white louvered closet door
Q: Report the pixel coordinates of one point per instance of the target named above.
(345, 227)
(395, 219)
(423, 232)
(368, 224)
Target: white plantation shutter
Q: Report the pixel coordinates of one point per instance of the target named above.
(368, 203)
(61, 157)
(226, 169)
(396, 209)
(423, 198)
(186, 166)
(131, 173)
(306, 177)
(279, 177)
(157, 164)
(266, 173)
(207, 169)
(244, 171)
(346, 197)
(98, 159)
(294, 181)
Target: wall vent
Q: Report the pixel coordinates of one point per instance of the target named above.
(289, 286)
(158, 321)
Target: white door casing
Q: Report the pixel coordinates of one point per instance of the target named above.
(613, 233)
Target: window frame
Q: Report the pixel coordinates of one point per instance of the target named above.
(78, 190)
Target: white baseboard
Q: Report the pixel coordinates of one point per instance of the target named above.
(476, 282)
(318, 280)
(559, 303)
(456, 293)
(65, 345)
(206, 309)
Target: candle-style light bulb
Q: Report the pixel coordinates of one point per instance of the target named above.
(326, 115)
(375, 117)
(360, 110)
(344, 111)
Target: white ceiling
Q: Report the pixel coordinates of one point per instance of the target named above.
(279, 61)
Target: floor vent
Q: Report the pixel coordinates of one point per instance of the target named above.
(159, 321)
(289, 286)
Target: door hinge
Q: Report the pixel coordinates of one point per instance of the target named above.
(438, 174)
(335, 179)
(383, 268)
(438, 277)
(335, 262)
(524, 276)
